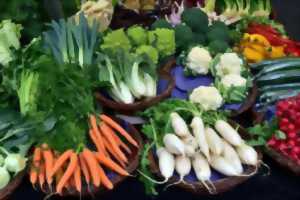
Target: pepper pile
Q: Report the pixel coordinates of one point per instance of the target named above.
(275, 38)
(288, 114)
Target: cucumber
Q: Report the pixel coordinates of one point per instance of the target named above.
(261, 65)
(271, 97)
(279, 67)
(279, 77)
(287, 86)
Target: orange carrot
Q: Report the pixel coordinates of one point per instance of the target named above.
(118, 128)
(113, 153)
(49, 161)
(95, 140)
(93, 166)
(119, 141)
(84, 169)
(105, 180)
(93, 122)
(60, 161)
(112, 142)
(42, 176)
(110, 164)
(35, 166)
(68, 173)
(77, 178)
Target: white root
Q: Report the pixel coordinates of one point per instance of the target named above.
(173, 144)
(232, 156)
(179, 126)
(214, 141)
(228, 133)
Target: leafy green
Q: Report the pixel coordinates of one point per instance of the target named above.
(137, 35)
(263, 132)
(116, 39)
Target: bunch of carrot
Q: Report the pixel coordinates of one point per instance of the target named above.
(67, 170)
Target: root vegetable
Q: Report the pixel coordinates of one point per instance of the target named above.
(228, 133)
(223, 166)
(183, 166)
(247, 154)
(189, 150)
(201, 168)
(166, 162)
(214, 141)
(173, 144)
(179, 126)
(199, 133)
(231, 155)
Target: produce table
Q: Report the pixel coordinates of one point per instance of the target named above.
(276, 186)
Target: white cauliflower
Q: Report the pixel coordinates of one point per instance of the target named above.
(198, 60)
(230, 63)
(208, 97)
(233, 80)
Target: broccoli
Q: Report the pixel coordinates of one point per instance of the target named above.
(218, 33)
(149, 51)
(196, 19)
(218, 46)
(219, 24)
(184, 36)
(116, 39)
(161, 23)
(137, 35)
(199, 39)
(163, 40)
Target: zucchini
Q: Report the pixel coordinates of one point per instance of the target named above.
(279, 77)
(271, 97)
(279, 67)
(287, 86)
(261, 65)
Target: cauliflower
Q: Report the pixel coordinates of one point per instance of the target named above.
(198, 60)
(230, 63)
(208, 97)
(233, 80)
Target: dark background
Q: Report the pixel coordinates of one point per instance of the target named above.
(279, 185)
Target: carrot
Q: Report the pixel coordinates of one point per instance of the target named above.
(105, 180)
(112, 142)
(118, 128)
(93, 122)
(77, 178)
(68, 173)
(49, 161)
(120, 142)
(95, 140)
(42, 176)
(93, 166)
(113, 153)
(84, 169)
(35, 165)
(110, 164)
(60, 161)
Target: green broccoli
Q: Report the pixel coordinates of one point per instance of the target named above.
(163, 40)
(148, 50)
(184, 36)
(116, 39)
(219, 24)
(217, 33)
(161, 23)
(196, 19)
(199, 39)
(218, 46)
(137, 35)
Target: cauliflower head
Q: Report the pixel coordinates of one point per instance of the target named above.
(230, 63)
(198, 60)
(233, 80)
(208, 97)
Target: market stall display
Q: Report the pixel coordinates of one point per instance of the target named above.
(93, 99)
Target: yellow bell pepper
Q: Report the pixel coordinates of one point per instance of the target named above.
(252, 55)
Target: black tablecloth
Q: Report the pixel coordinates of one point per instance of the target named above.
(279, 185)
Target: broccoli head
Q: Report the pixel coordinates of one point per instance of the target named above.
(218, 46)
(161, 23)
(219, 24)
(163, 40)
(184, 36)
(150, 51)
(217, 33)
(199, 39)
(196, 19)
(137, 35)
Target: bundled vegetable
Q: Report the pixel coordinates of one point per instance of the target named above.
(178, 150)
(129, 76)
(63, 169)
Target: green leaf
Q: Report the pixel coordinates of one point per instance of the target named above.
(280, 135)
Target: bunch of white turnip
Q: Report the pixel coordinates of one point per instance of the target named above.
(224, 151)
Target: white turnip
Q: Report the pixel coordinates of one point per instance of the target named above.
(228, 133)
(173, 144)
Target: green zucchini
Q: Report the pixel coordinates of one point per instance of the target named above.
(279, 77)
(279, 67)
(287, 86)
(272, 94)
(265, 63)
